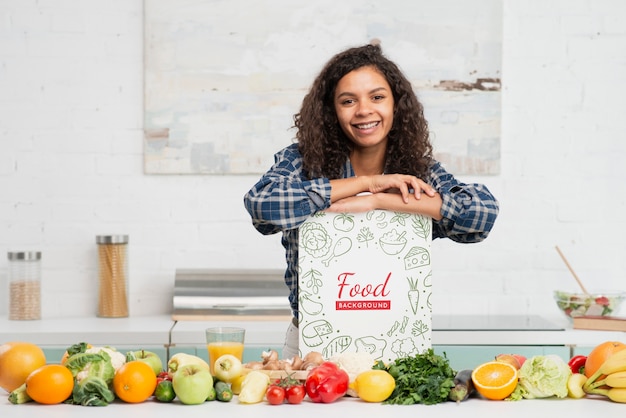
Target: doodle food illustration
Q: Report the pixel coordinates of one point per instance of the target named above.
(337, 346)
(343, 222)
(419, 329)
(308, 305)
(413, 294)
(313, 332)
(404, 347)
(392, 243)
(416, 257)
(421, 226)
(427, 280)
(374, 346)
(314, 239)
(313, 280)
(342, 246)
(365, 235)
(397, 327)
(364, 284)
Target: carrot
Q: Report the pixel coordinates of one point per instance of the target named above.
(413, 294)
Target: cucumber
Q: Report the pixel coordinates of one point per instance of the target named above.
(223, 391)
(463, 386)
(212, 394)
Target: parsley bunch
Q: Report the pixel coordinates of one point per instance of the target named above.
(424, 378)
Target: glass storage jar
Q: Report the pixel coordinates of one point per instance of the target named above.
(24, 285)
(113, 276)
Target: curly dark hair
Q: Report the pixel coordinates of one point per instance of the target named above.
(321, 141)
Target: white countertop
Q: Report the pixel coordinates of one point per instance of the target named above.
(148, 330)
(307, 409)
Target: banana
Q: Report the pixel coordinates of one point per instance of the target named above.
(615, 363)
(616, 380)
(617, 395)
(180, 359)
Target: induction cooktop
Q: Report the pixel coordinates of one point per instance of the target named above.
(493, 323)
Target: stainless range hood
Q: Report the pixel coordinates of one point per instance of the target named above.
(206, 294)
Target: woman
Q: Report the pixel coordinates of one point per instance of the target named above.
(362, 144)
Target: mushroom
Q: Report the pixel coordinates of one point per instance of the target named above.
(296, 362)
(272, 365)
(268, 356)
(254, 365)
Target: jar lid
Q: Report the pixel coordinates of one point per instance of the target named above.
(24, 255)
(112, 239)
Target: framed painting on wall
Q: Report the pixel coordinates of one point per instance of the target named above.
(223, 79)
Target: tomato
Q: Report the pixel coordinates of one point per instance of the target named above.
(163, 376)
(295, 394)
(275, 395)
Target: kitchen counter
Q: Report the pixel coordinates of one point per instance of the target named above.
(161, 330)
(343, 407)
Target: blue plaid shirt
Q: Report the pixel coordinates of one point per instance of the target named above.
(284, 198)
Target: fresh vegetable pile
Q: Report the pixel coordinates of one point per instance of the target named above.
(97, 376)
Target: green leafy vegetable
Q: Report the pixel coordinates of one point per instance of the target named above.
(542, 377)
(93, 374)
(425, 378)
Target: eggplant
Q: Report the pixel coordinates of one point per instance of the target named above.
(463, 386)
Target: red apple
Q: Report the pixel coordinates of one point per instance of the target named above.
(509, 358)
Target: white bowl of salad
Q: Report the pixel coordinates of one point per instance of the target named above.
(593, 304)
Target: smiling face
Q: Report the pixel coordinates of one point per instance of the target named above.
(364, 105)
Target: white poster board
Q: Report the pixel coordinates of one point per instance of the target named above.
(365, 284)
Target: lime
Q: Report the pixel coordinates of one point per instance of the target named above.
(164, 391)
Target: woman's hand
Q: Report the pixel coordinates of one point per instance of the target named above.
(401, 183)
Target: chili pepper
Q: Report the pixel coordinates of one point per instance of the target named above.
(326, 383)
(577, 364)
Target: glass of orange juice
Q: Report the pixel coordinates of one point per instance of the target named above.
(224, 340)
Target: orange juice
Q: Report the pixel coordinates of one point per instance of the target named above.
(219, 348)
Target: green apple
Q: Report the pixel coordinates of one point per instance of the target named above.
(227, 368)
(152, 359)
(192, 384)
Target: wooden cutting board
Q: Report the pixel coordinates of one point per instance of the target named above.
(279, 374)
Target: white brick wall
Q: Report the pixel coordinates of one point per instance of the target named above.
(71, 163)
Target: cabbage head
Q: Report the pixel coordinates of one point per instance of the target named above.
(93, 374)
(543, 377)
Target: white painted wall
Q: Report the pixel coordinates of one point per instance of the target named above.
(71, 163)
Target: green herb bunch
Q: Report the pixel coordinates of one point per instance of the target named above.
(421, 379)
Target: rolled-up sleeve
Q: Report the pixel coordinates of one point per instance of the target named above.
(468, 211)
(282, 199)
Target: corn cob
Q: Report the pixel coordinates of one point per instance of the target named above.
(615, 363)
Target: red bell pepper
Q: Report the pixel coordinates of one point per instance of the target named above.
(326, 383)
(577, 364)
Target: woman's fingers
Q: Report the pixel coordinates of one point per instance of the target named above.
(404, 184)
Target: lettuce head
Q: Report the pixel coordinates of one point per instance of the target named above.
(543, 377)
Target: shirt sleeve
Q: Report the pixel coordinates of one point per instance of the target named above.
(283, 198)
(469, 211)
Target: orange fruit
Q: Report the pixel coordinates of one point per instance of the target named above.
(50, 384)
(495, 379)
(17, 361)
(599, 354)
(134, 382)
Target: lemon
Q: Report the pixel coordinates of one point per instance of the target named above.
(373, 385)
